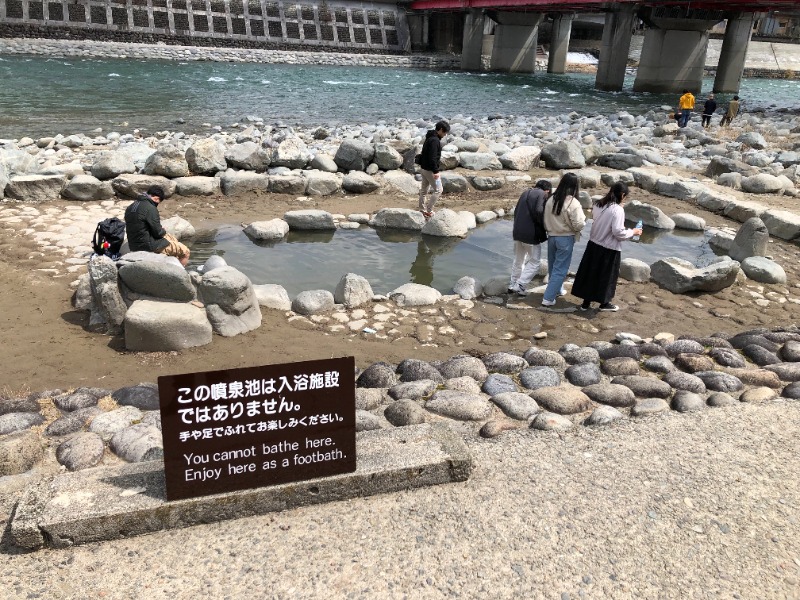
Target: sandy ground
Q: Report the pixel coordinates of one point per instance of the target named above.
(46, 344)
(681, 506)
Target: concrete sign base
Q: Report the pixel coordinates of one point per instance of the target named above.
(111, 503)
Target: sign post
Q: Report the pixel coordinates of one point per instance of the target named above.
(252, 427)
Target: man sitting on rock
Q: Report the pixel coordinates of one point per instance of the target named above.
(144, 230)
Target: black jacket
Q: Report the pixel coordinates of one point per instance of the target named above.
(709, 107)
(529, 217)
(431, 152)
(143, 226)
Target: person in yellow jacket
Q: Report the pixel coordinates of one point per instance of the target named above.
(685, 106)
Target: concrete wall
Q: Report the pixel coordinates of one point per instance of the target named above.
(348, 26)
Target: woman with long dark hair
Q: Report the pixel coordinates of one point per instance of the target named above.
(596, 280)
(564, 221)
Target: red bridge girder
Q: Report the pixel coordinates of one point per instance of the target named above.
(599, 5)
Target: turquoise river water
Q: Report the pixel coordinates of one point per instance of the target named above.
(41, 96)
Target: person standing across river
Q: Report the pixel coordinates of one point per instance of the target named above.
(709, 108)
(528, 234)
(733, 110)
(429, 165)
(686, 106)
(564, 221)
(596, 279)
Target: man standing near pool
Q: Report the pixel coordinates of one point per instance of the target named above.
(429, 165)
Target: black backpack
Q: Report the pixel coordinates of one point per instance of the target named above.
(108, 237)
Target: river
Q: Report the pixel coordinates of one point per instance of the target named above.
(45, 96)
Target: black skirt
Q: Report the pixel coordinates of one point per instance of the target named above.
(596, 279)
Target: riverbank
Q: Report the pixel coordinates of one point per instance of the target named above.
(764, 59)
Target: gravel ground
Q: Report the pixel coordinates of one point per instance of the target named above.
(700, 505)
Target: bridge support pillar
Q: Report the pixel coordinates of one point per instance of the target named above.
(559, 44)
(472, 46)
(672, 60)
(515, 38)
(733, 53)
(614, 49)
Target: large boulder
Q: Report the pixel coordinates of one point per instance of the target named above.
(620, 161)
(112, 164)
(237, 183)
(287, 184)
(274, 229)
(714, 201)
(521, 158)
(479, 161)
(679, 188)
(320, 183)
(162, 326)
(291, 153)
(134, 184)
(87, 187)
(446, 223)
(271, 295)
(197, 186)
(248, 156)
(680, 276)
(178, 227)
(35, 188)
(782, 223)
(310, 219)
(752, 139)
(357, 182)
(763, 183)
(324, 162)
(632, 269)
(353, 291)
(311, 302)
(206, 157)
(398, 218)
(763, 270)
(563, 155)
(20, 452)
(354, 155)
(649, 215)
(157, 276)
(3, 180)
(106, 297)
(402, 182)
(414, 294)
(231, 303)
(453, 183)
(168, 161)
(387, 158)
(752, 239)
(741, 210)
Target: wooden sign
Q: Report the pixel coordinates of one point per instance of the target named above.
(245, 428)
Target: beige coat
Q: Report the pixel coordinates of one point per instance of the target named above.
(569, 222)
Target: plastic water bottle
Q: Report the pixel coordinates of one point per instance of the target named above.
(638, 226)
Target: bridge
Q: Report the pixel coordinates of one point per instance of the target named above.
(673, 54)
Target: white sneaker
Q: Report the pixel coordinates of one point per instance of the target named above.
(548, 302)
(562, 292)
(518, 289)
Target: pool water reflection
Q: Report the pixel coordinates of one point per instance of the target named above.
(390, 258)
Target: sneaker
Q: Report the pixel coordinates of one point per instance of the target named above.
(585, 307)
(608, 307)
(562, 292)
(512, 290)
(518, 289)
(548, 302)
